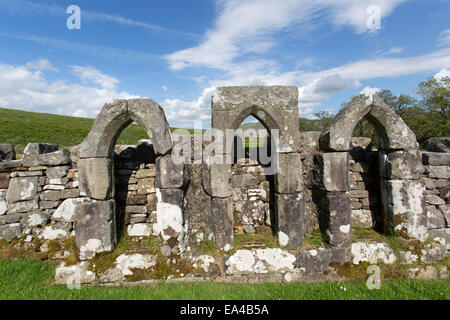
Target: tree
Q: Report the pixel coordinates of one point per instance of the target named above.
(398, 104)
(436, 96)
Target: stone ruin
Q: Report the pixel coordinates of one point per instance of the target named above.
(325, 183)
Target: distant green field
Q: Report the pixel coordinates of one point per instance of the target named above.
(22, 127)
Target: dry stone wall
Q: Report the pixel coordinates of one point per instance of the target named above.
(97, 193)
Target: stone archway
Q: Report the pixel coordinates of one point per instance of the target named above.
(402, 188)
(96, 219)
(276, 107)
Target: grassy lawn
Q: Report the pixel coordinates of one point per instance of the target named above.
(27, 279)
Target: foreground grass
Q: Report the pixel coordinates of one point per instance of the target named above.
(26, 279)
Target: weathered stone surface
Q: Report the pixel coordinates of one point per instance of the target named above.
(10, 218)
(289, 176)
(373, 253)
(95, 227)
(57, 172)
(70, 193)
(168, 173)
(23, 206)
(57, 158)
(362, 218)
(436, 158)
(126, 263)
(274, 106)
(4, 180)
(66, 211)
(333, 168)
(35, 149)
(216, 179)
(402, 165)
(260, 261)
(115, 117)
(136, 209)
(439, 172)
(438, 144)
(139, 230)
(49, 204)
(220, 221)
(446, 212)
(7, 152)
(56, 231)
(335, 218)
(13, 164)
(291, 220)
(434, 199)
(74, 275)
(51, 195)
(96, 178)
(3, 205)
(34, 219)
(435, 218)
(10, 232)
(398, 136)
(243, 181)
(404, 208)
(170, 223)
(21, 189)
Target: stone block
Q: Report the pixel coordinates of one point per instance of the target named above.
(435, 218)
(335, 218)
(334, 172)
(66, 211)
(4, 180)
(434, 200)
(7, 152)
(22, 189)
(96, 178)
(404, 208)
(34, 219)
(220, 220)
(289, 176)
(168, 173)
(95, 227)
(10, 232)
(438, 144)
(216, 180)
(57, 158)
(401, 165)
(35, 149)
(10, 218)
(438, 172)
(291, 220)
(57, 172)
(23, 206)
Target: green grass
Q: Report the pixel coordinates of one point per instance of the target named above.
(26, 279)
(22, 127)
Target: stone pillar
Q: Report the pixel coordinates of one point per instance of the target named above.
(170, 222)
(403, 194)
(335, 206)
(290, 211)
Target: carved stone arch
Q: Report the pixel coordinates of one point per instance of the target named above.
(95, 225)
(400, 161)
(276, 107)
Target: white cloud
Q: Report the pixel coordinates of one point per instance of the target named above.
(444, 38)
(369, 91)
(41, 64)
(248, 26)
(24, 87)
(164, 88)
(395, 50)
(441, 74)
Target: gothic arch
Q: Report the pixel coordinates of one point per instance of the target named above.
(402, 188)
(276, 107)
(95, 225)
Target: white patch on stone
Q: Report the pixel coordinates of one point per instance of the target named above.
(139, 230)
(52, 233)
(313, 252)
(345, 228)
(35, 220)
(73, 275)
(3, 207)
(126, 262)
(227, 247)
(204, 261)
(66, 210)
(340, 141)
(241, 261)
(372, 253)
(91, 247)
(27, 191)
(168, 215)
(283, 238)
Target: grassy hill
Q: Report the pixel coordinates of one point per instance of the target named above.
(22, 127)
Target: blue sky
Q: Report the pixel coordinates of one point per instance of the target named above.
(178, 52)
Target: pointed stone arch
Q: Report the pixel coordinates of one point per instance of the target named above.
(276, 107)
(95, 226)
(402, 188)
